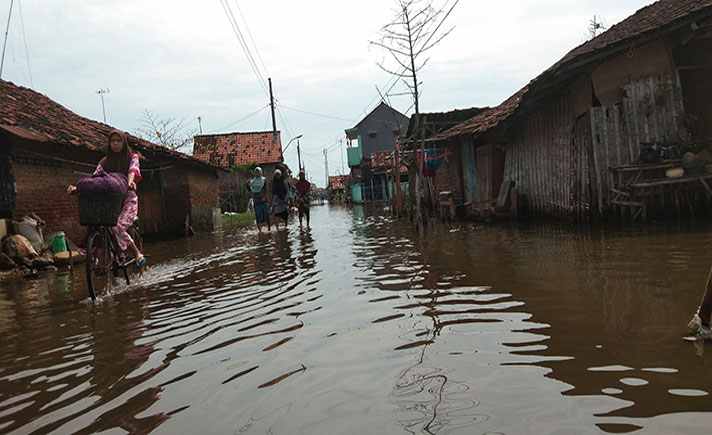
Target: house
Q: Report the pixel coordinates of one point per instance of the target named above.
(570, 140)
(239, 153)
(444, 164)
(337, 186)
(378, 131)
(383, 167)
(53, 147)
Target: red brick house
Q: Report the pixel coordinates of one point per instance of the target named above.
(231, 150)
(337, 185)
(54, 147)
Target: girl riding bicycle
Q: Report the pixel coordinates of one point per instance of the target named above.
(119, 158)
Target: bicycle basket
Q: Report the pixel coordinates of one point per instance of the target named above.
(99, 209)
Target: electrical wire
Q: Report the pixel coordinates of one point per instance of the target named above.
(247, 28)
(313, 113)
(24, 38)
(243, 44)
(241, 119)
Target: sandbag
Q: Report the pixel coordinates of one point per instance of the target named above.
(31, 228)
(17, 246)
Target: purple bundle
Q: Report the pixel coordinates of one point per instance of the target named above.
(104, 182)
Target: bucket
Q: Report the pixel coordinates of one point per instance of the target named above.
(57, 242)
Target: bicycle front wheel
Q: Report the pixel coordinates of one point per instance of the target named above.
(99, 261)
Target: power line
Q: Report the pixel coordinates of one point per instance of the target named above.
(247, 28)
(27, 55)
(314, 114)
(243, 44)
(242, 119)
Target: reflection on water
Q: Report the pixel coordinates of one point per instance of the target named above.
(359, 323)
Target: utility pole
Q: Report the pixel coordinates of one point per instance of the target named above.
(326, 166)
(7, 29)
(200, 126)
(299, 156)
(101, 93)
(341, 145)
(271, 103)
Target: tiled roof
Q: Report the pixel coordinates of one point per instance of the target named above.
(338, 182)
(239, 148)
(438, 122)
(380, 161)
(487, 119)
(656, 17)
(34, 116)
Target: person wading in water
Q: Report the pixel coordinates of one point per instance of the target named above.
(257, 186)
(280, 197)
(303, 187)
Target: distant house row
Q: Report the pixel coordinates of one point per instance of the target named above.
(570, 141)
(45, 147)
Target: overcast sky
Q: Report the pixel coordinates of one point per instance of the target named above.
(181, 59)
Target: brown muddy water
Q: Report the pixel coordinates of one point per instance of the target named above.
(361, 325)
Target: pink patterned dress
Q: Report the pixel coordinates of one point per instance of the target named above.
(129, 211)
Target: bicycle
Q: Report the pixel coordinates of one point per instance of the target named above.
(101, 211)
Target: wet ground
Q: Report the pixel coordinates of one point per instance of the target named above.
(361, 325)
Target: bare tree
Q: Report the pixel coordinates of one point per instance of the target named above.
(413, 31)
(168, 132)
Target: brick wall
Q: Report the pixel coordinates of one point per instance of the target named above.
(448, 176)
(42, 178)
(176, 191)
(203, 186)
(42, 184)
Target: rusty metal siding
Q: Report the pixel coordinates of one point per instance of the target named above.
(469, 171)
(541, 160)
(650, 113)
(562, 164)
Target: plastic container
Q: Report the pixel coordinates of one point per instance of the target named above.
(99, 209)
(57, 242)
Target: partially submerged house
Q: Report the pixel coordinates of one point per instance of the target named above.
(237, 153)
(52, 147)
(377, 131)
(337, 186)
(443, 161)
(383, 167)
(570, 140)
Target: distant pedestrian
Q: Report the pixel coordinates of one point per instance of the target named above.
(700, 323)
(257, 186)
(303, 197)
(280, 198)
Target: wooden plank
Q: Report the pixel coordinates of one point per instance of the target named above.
(629, 168)
(669, 181)
(628, 203)
(620, 192)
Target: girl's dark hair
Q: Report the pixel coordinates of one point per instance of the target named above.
(117, 162)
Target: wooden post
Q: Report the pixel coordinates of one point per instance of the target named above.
(399, 198)
(705, 310)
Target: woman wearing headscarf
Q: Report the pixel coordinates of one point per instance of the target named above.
(280, 197)
(120, 159)
(257, 186)
(303, 187)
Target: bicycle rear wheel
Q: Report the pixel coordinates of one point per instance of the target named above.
(99, 262)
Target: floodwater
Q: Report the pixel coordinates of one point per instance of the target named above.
(361, 325)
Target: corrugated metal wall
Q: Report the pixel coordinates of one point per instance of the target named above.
(651, 112)
(545, 162)
(562, 164)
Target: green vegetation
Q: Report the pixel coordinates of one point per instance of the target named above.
(238, 220)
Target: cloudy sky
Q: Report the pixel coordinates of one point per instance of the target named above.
(181, 59)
